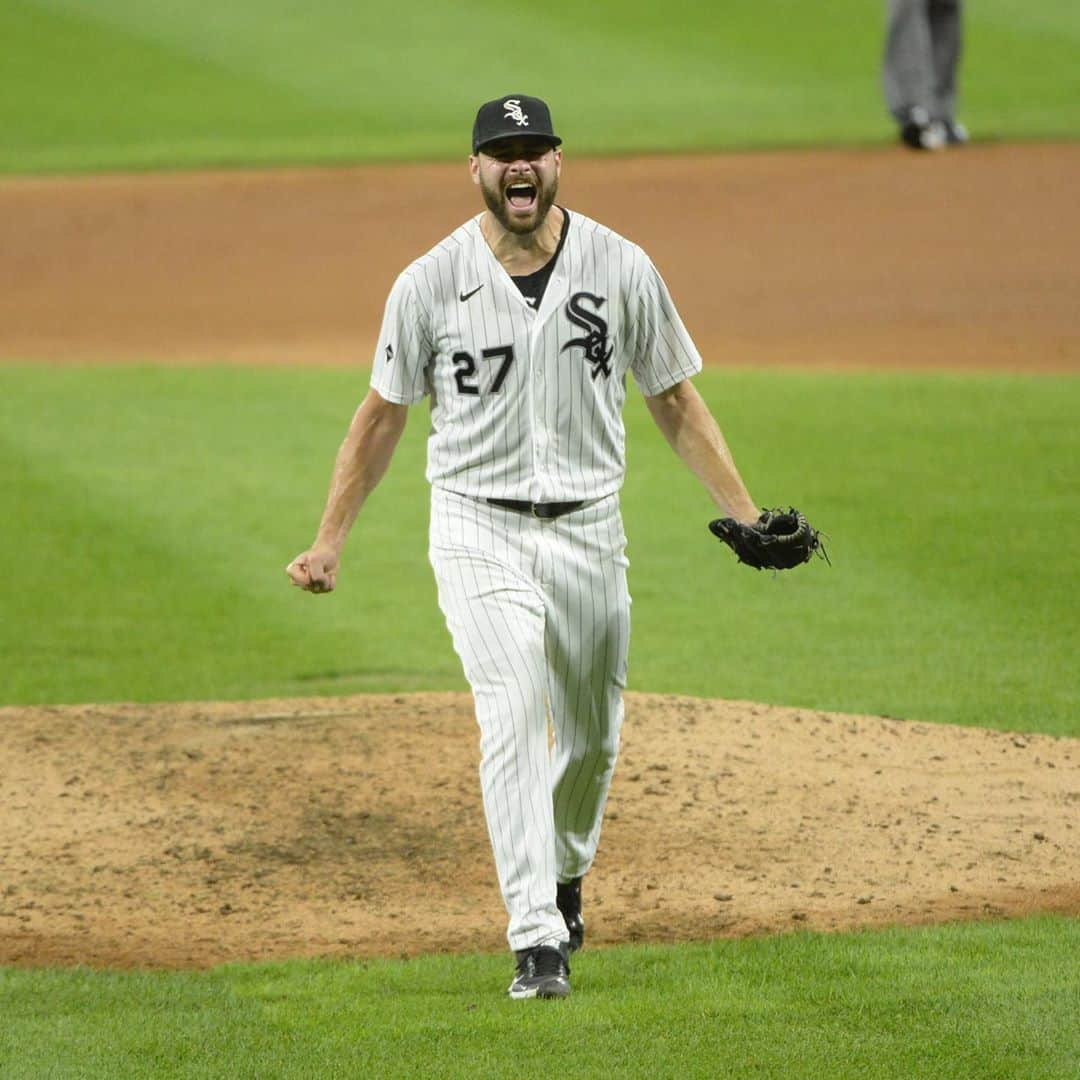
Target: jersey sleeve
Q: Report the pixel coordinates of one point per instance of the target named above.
(399, 367)
(663, 352)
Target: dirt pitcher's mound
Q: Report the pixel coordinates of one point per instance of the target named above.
(192, 834)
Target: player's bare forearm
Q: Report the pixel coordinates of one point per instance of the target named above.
(361, 463)
(688, 425)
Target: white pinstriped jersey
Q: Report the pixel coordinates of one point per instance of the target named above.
(528, 404)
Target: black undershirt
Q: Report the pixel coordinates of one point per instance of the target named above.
(533, 285)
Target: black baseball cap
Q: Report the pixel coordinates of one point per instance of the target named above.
(513, 116)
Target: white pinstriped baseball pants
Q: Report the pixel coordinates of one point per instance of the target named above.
(539, 612)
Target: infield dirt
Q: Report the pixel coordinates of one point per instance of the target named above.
(185, 835)
(838, 259)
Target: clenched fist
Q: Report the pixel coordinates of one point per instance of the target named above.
(314, 571)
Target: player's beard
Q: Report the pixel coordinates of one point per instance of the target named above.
(495, 198)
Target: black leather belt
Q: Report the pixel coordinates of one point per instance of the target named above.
(540, 510)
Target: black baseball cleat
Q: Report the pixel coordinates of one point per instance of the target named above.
(568, 901)
(955, 133)
(542, 972)
(919, 132)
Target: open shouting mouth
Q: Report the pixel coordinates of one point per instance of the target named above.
(521, 195)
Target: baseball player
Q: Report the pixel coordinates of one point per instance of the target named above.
(520, 328)
(922, 53)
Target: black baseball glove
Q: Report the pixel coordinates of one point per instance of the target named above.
(778, 540)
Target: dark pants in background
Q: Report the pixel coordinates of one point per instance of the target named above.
(922, 52)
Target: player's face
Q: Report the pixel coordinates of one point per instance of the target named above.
(519, 179)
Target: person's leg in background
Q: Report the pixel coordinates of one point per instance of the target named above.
(907, 74)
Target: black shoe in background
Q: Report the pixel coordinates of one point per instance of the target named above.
(955, 133)
(920, 132)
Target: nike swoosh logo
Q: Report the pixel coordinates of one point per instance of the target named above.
(465, 295)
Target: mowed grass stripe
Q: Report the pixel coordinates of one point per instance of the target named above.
(961, 1002)
(122, 84)
(81, 92)
(155, 509)
(159, 516)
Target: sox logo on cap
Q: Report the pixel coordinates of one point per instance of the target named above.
(515, 113)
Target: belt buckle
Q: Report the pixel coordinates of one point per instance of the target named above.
(550, 511)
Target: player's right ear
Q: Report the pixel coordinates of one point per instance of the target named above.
(474, 168)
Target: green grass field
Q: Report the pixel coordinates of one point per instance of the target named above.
(975, 1002)
(121, 85)
(152, 532)
(147, 516)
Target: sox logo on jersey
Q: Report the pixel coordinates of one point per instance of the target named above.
(595, 343)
